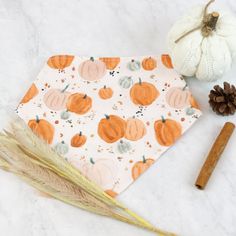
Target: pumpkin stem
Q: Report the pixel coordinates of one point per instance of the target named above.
(163, 119)
(185, 87)
(107, 117)
(63, 90)
(37, 119)
(206, 27)
(209, 23)
(80, 133)
(144, 159)
(85, 96)
(92, 58)
(63, 142)
(91, 160)
(139, 81)
(104, 86)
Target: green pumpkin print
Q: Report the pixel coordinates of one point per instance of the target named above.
(123, 147)
(61, 148)
(125, 82)
(133, 65)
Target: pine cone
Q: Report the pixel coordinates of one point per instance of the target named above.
(223, 100)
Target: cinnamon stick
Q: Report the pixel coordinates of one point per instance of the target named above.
(214, 155)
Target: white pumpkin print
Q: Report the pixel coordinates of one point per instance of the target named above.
(135, 129)
(92, 69)
(178, 97)
(55, 99)
(102, 171)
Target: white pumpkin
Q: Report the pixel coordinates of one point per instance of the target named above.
(205, 50)
(178, 97)
(55, 99)
(135, 129)
(103, 171)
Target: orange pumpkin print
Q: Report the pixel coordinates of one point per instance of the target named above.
(111, 193)
(79, 103)
(167, 131)
(141, 166)
(105, 93)
(149, 63)
(111, 128)
(135, 129)
(31, 93)
(111, 62)
(78, 140)
(194, 103)
(42, 128)
(166, 60)
(92, 69)
(60, 62)
(143, 93)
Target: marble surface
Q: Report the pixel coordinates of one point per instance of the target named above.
(31, 31)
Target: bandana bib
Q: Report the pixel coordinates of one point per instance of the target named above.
(109, 117)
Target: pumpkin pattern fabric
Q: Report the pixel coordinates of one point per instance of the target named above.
(133, 65)
(125, 82)
(135, 129)
(61, 148)
(143, 93)
(79, 103)
(105, 93)
(166, 60)
(30, 94)
(42, 128)
(92, 69)
(78, 140)
(178, 97)
(141, 166)
(111, 193)
(167, 131)
(55, 99)
(123, 147)
(149, 63)
(111, 128)
(111, 118)
(111, 62)
(60, 62)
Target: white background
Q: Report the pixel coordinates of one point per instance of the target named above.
(30, 32)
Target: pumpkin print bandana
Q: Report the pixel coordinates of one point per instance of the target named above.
(110, 117)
